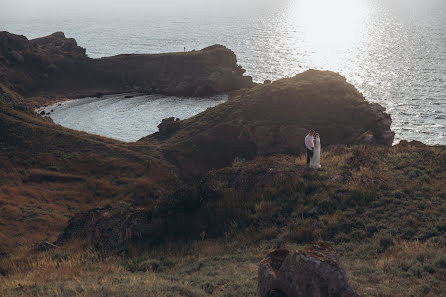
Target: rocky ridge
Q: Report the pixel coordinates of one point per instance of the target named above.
(56, 66)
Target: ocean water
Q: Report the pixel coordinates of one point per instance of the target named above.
(126, 119)
(393, 51)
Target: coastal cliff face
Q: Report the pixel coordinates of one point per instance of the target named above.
(274, 118)
(56, 66)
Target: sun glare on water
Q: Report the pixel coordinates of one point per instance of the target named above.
(330, 29)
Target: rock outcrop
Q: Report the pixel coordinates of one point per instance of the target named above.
(12, 48)
(184, 215)
(107, 228)
(168, 126)
(315, 271)
(274, 118)
(57, 43)
(56, 65)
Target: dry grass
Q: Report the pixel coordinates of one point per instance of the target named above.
(204, 268)
(213, 268)
(49, 173)
(409, 268)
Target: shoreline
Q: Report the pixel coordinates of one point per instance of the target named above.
(126, 117)
(55, 102)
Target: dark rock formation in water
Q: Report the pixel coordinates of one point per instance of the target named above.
(168, 126)
(274, 118)
(315, 271)
(56, 65)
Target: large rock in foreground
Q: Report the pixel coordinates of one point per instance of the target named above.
(314, 272)
(184, 215)
(56, 66)
(274, 118)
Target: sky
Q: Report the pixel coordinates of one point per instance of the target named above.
(99, 8)
(38, 9)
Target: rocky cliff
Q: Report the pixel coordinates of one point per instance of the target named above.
(56, 66)
(274, 118)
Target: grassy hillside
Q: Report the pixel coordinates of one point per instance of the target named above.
(49, 173)
(381, 208)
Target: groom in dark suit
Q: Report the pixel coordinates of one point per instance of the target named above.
(309, 145)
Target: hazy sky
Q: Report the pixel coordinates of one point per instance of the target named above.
(101, 8)
(35, 9)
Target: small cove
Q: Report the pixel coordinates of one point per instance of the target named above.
(126, 119)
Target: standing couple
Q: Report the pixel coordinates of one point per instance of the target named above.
(313, 146)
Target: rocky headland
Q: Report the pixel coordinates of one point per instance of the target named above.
(56, 66)
(193, 209)
(273, 119)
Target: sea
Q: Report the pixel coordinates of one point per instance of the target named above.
(393, 51)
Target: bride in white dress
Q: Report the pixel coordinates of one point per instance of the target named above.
(315, 161)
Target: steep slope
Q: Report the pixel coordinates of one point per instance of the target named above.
(49, 173)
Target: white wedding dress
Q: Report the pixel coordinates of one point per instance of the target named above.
(315, 161)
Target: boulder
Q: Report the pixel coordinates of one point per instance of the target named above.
(168, 126)
(315, 271)
(179, 217)
(108, 228)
